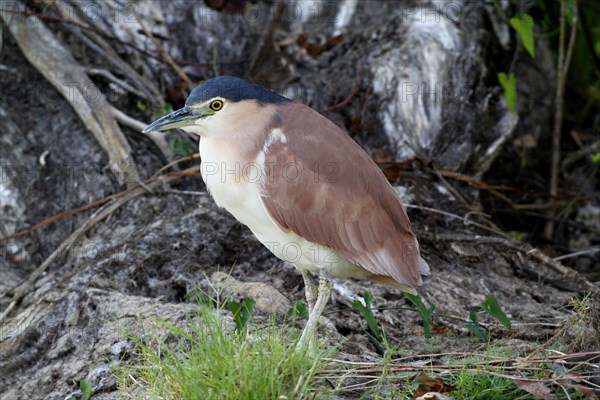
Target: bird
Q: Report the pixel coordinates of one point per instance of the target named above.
(303, 186)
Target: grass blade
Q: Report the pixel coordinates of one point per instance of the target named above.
(474, 327)
(491, 306)
(367, 313)
(425, 313)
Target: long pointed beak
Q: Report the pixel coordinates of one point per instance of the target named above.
(177, 119)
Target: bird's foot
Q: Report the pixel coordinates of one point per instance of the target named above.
(310, 290)
(323, 295)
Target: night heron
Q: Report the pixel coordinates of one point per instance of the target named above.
(305, 189)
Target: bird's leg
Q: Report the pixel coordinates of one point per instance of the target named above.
(310, 290)
(325, 288)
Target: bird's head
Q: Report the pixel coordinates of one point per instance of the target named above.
(216, 105)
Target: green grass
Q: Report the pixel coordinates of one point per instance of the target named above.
(223, 354)
(210, 361)
(470, 386)
(465, 378)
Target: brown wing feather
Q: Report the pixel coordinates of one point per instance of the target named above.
(322, 186)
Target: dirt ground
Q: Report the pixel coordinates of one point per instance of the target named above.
(143, 262)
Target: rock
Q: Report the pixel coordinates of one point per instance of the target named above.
(79, 336)
(268, 299)
(435, 396)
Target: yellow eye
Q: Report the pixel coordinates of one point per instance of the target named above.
(216, 105)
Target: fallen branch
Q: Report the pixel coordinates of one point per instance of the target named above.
(94, 38)
(157, 137)
(591, 250)
(118, 82)
(54, 61)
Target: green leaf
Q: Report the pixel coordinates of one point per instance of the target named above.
(523, 24)
(518, 236)
(180, 147)
(367, 313)
(298, 310)
(491, 306)
(167, 109)
(596, 158)
(86, 389)
(474, 327)
(425, 313)
(241, 313)
(509, 84)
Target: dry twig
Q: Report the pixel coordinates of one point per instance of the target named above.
(563, 69)
(465, 219)
(577, 368)
(93, 37)
(165, 54)
(157, 137)
(192, 171)
(114, 202)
